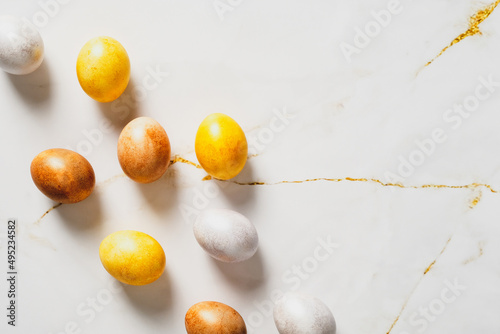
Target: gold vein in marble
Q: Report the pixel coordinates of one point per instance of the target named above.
(384, 184)
(474, 22)
(426, 271)
(110, 180)
(475, 201)
(47, 212)
(474, 258)
(177, 159)
(185, 161)
(439, 255)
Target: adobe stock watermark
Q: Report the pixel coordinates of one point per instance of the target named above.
(48, 10)
(200, 200)
(453, 119)
(223, 7)
(122, 108)
(363, 37)
(88, 310)
(293, 277)
(266, 135)
(425, 315)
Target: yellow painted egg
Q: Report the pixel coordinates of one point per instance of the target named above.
(103, 69)
(221, 146)
(63, 175)
(144, 150)
(214, 318)
(132, 257)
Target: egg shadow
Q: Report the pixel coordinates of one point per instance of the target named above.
(35, 87)
(241, 197)
(122, 110)
(84, 215)
(161, 195)
(152, 299)
(246, 275)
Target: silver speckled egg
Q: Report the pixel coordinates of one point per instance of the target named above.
(226, 235)
(21, 46)
(297, 313)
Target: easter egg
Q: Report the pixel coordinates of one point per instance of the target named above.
(226, 235)
(144, 150)
(103, 69)
(21, 46)
(214, 318)
(63, 175)
(297, 313)
(221, 146)
(132, 257)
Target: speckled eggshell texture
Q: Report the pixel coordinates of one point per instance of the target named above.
(103, 68)
(221, 146)
(226, 235)
(214, 318)
(297, 313)
(132, 257)
(144, 150)
(21, 46)
(63, 175)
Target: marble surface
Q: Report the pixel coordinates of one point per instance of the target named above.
(392, 220)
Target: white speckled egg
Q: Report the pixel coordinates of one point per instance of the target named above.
(297, 313)
(226, 235)
(21, 46)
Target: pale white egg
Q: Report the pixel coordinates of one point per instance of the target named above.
(21, 46)
(226, 235)
(297, 313)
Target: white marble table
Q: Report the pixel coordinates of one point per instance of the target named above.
(393, 221)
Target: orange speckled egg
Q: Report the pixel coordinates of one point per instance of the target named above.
(144, 150)
(214, 318)
(63, 175)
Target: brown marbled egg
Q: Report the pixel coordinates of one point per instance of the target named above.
(214, 318)
(144, 150)
(63, 175)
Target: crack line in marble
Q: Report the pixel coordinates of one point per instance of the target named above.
(110, 180)
(185, 161)
(475, 201)
(384, 184)
(398, 185)
(475, 257)
(177, 159)
(474, 22)
(47, 212)
(429, 267)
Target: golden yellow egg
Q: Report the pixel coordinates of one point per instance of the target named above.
(132, 257)
(144, 150)
(63, 175)
(103, 69)
(214, 318)
(221, 146)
